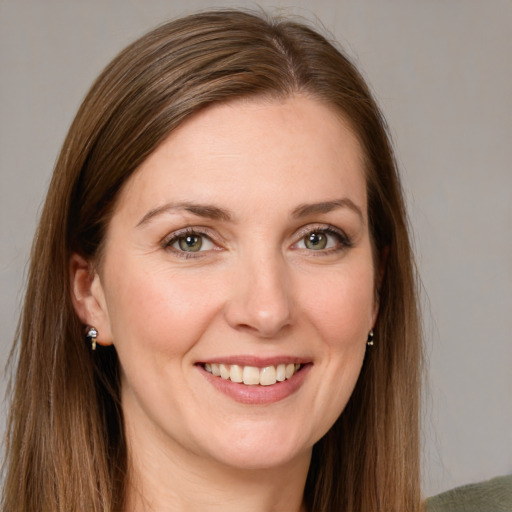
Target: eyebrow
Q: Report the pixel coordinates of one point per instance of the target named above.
(201, 210)
(304, 210)
(216, 213)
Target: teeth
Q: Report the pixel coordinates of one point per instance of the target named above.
(281, 372)
(268, 376)
(236, 373)
(215, 369)
(252, 375)
(224, 371)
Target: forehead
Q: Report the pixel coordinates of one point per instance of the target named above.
(295, 149)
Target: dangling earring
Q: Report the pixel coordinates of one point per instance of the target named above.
(369, 341)
(91, 336)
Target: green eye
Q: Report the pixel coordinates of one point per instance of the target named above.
(324, 240)
(315, 241)
(190, 243)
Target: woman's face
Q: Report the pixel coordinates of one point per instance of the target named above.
(240, 246)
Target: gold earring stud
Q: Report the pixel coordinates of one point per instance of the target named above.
(91, 336)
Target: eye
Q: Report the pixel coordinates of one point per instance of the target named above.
(316, 241)
(323, 239)
(189, 241)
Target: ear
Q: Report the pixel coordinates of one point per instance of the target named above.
(381, 270)
(89, 299)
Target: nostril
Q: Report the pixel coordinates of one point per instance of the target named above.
(261, 302)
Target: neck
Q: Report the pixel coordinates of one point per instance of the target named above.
(178, 481)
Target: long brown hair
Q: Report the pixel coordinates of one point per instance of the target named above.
(65, 441)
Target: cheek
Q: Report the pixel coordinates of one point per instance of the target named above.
(342, 306)
(158, 309)
(340, 311)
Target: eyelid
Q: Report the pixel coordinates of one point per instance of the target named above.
(202, 231)
(344, 240)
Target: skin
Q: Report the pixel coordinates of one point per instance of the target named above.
(255, 289)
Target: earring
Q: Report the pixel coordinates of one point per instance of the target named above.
(91, 336)
(369, 341)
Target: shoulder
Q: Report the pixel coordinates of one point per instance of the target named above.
(491, 496)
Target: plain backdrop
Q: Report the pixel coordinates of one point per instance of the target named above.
(442, 72)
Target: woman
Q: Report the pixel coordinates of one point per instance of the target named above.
(221, 308)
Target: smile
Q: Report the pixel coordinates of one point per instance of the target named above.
(252, 375)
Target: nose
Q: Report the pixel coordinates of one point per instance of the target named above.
(260, 299)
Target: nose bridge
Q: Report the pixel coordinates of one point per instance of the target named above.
(260, 299)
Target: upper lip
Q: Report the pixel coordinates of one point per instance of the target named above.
(259, 362)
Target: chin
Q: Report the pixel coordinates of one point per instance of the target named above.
(259, 450)
(254, 460)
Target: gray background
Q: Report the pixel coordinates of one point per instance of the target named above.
(442, 71)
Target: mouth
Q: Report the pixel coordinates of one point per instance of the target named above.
(255, 380)
(253, 375)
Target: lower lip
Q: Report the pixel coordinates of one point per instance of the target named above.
(257, 394)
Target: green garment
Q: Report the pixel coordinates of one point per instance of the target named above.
(492, 496)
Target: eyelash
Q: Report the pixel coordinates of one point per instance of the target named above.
(343, 240)
(174, 237)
